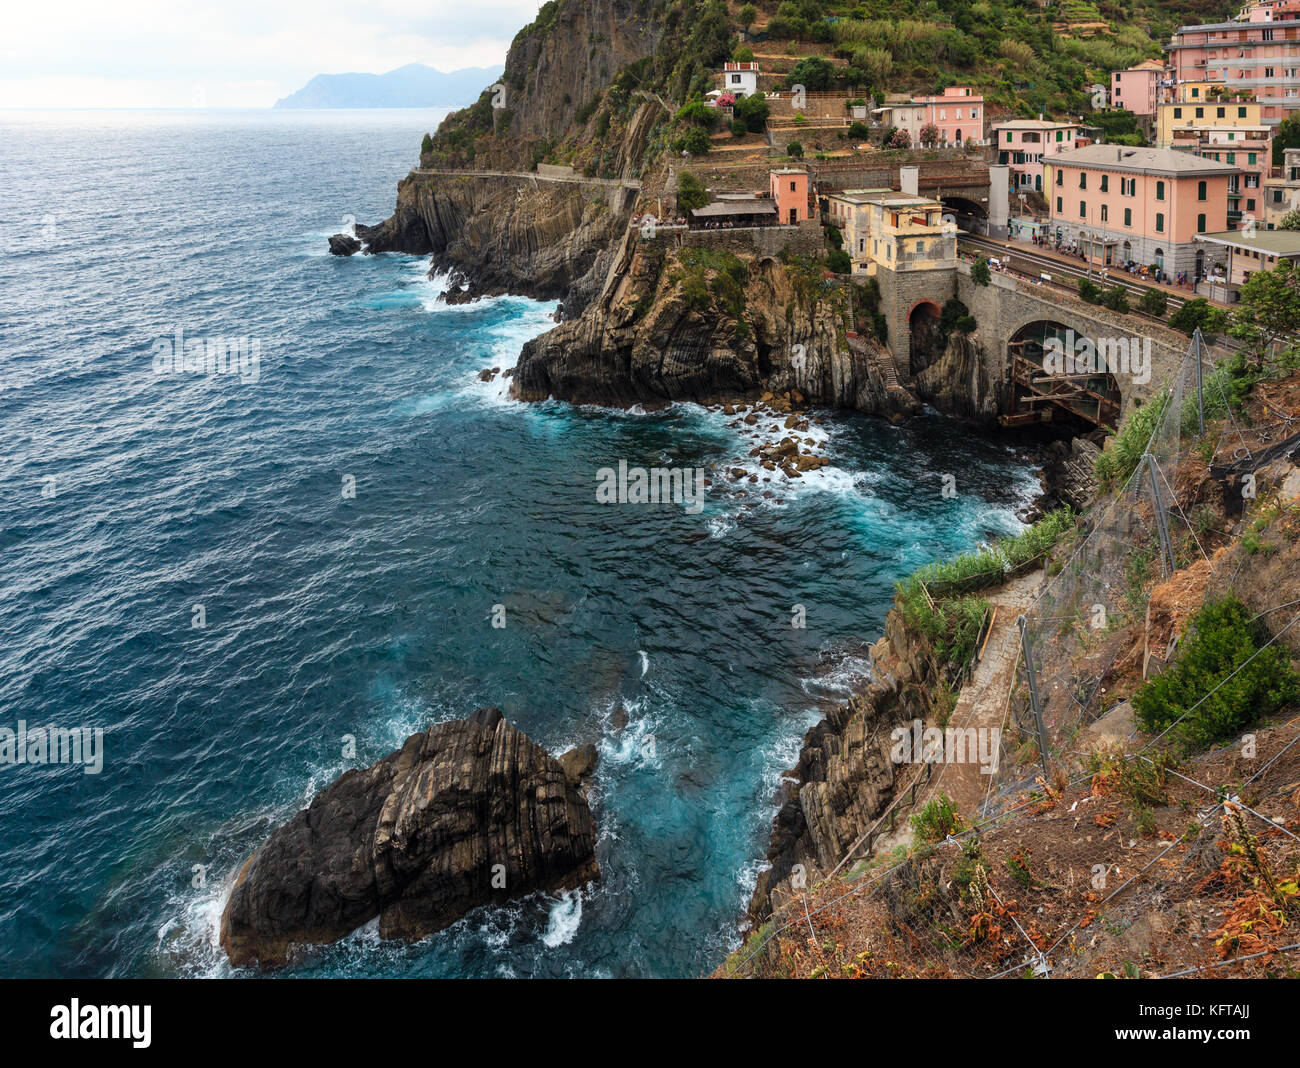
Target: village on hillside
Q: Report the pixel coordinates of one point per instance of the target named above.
(1184, 176)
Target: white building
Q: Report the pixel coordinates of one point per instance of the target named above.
(740, 79)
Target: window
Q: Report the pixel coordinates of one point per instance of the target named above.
(1200, 113)
(1008, 135)
(1083, 209)
(1178, 113)
(1128, 216)
(1241, 113)
(792, 185)
(1060, 177)
(1060, 208)
(1105, 182)
(1220, 113)
(1059, 135)
(1160, 222)
(1160, 190)
(1200, 224)
(1083, 179)
(1105, 212)
(1250, 158)
(1200, 190)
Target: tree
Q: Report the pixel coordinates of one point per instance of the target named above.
(813, 73)
(1115, 298)
(747, 15)
(1154, 302)
(899, 139)
(1090, 291)
(1268, 310)
(743, 54)
(929, 134)
(691, 193)
(979, 272)
(697, 113)
(1199, 313)
(794, 150)
(753, 112)
(1290, 221)
(695, 141)
(1287, 135)
(838, 261)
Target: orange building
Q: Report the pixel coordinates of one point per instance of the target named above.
(1119, 205)
(789, 188)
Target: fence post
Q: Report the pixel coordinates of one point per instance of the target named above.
(1162, 520)
(1200, 384)
(1031, 674)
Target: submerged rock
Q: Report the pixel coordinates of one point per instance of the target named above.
(468, 813)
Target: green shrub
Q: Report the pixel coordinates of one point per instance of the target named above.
(937, 819)
(1090, 291)
(1124, 452)
(1219, 641)
(838, 261)
(1154, 302)
(690, 193)
(979, 272)
(794, 150)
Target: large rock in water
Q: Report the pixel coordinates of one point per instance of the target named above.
(416, 840)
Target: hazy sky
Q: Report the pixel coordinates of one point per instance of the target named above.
(233, 53)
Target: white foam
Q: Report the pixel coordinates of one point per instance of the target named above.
(564, 920)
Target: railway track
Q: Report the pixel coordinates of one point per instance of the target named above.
(1027, 261)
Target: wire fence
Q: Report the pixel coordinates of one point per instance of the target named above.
(1084, 861)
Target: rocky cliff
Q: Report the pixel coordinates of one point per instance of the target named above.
(468, 813)
(707, 323)
(494, 235)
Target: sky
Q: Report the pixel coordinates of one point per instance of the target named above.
(233, 53)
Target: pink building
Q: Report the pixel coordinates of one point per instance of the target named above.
(1260, 53)
(1121, 205)
(789, 188)
(1136, 89)
(957, 113)
(1023, 143)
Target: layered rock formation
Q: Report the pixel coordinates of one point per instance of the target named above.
(468, 813)
(547, 240)
(704, 324)
(958, 382)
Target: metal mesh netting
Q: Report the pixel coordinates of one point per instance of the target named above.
(1069, 640)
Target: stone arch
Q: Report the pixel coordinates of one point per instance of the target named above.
(923, 332)
(1064, 365)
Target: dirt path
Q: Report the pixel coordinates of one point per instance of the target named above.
(982, 702)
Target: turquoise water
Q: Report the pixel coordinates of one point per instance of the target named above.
(328, 616)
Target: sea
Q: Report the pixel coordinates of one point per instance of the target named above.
(253, 580)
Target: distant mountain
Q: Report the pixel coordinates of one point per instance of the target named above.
(412, 86)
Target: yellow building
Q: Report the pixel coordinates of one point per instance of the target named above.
(1187, 120)
(898, 231)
